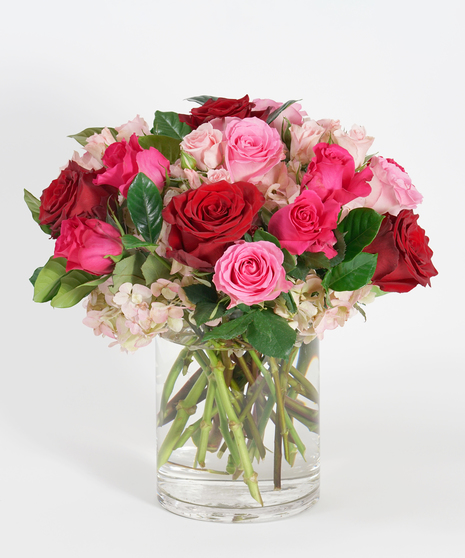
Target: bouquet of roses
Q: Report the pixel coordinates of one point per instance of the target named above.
(243, 230)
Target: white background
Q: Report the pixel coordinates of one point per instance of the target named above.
(77, 420)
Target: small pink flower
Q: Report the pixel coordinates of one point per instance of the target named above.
(204, 145)
(391, 189)
(217, 175)
(251, 272)
(253, 148)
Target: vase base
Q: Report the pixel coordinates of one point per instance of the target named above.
(228, 502)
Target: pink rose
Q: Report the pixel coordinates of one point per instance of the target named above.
(306, 225)
(97, 143)
(356, 142)
(125, 160)
(330, 127)
(204, 145)
(218, 175)
(303, 140)
(253, 148)
(251, 272)
(294, 113)
(86, 242)
(331, 173)
(391, 189)
(136, 126)
(278, 187)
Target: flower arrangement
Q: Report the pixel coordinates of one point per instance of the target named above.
(244, 229)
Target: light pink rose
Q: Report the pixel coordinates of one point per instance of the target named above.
(251, 272)
(356, 142)
(303, 140)
(294, 113)
(97, 143)
(86, 161)
(216, 175)
(253, 148)
(391, 189)
(278, 187)
(136, 126)
(86, 242)
(306, 225)
(204, 145)
(330, 126)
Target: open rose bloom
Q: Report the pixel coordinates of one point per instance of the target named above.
(246, 230)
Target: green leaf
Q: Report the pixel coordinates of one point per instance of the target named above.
(291, 306)
(131, 242)
(360, 226)
(260, 234)
(290, 261)
(82, 136)
(145, 206)
(167, 146)
(154, 268)
(33, 277)
(271, 335)
(352, 275)
(201, 293)
(48, 280)
(231, 329)
(279, 110)
(206, 311)
(74, 286)
(34, 207)
(201, 99)
(128, 270)
(168, 124)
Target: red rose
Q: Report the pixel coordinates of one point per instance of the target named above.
(331, 173)
(73, 194)
(205, 221)
(86, 242)
(222, 107)
(404, 257)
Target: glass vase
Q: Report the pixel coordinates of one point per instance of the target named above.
(237, 431)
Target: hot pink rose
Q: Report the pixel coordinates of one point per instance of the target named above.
(251, 272)
(125, 160)
(331, 173)
(356, 142)
(391, 189)
(306, 225)
(204, 145)
(253, 148)
(86, 242)
(293, 113)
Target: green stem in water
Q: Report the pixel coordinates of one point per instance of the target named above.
(310, 391)
(280, 407)
(250, 476)
(206, 424)
(176, 369)
(185, 409)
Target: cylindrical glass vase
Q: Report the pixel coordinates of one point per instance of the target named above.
(238, 432)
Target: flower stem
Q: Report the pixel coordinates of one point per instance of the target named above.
(170, 381)
(280, 407)
(206, 424)
(250, 476)
(185, 409)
